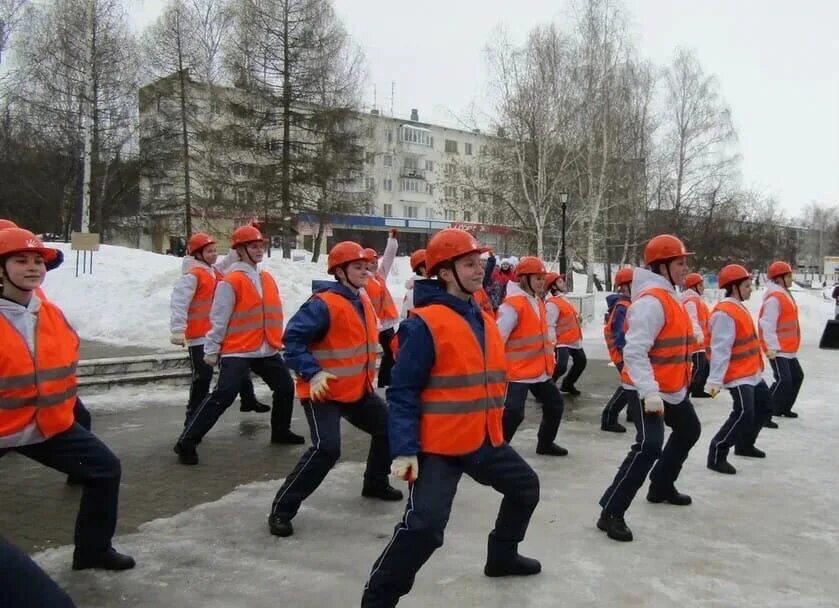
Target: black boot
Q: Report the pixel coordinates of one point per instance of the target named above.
(503, 559)
(750, 452)
(383, 492)
(615, 527)
(788, 414)
(570, 389)
(286, 437)
(74, 480)
(700, 395)
(613, 427)
(673, 497)
(769, 424)
(186, 453)
(109, 559)
(551, 449)
(280, 526)
(722, 466)
(254, 406)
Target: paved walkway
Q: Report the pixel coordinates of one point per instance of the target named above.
(91, 349)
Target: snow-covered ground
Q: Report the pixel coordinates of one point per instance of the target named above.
(767, 536)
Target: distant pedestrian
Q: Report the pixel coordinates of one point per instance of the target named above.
(835, 297)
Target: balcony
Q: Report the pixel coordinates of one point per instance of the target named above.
(412, 172)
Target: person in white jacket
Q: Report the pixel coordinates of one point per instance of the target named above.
(418, 266)
(189, 323)
(736, 364)
(656, 376)
(698, 312)
(379, 294)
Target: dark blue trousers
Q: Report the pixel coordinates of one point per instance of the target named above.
(615, 405)
(647, 451)
(547, 395)
(788, 379)
(232, 371)
(81, 414)
(81, 454)
(369, 415)
(202, 377)
(578, 364)
(751, 406)
(430, 499)
(24, 585)
(699, 376)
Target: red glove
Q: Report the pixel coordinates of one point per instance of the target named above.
(394, 233)
(255, 224)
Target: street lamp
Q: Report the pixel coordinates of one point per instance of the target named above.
(563, 200)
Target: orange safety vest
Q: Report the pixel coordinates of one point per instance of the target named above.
(788, 329)
(568, 330)
(255, 319)
(380, 297)
(704, 316)
(348, 350)
(463, 402)
(481, 298)
(745, 359)
(670, 353)
(614, 354)
(40, 388)
(529, 349)
(198, 313)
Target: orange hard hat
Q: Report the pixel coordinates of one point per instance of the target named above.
(530, 264)
(7, 224)
(733, 273)
(623, 276)
(551, 278)
(18, 240)
(778, 269)
(664, 247)
(244, 235)
(197, 242)
(344, 253)
(417, 259)
(371, 253)
(448, 245)
(693, 279)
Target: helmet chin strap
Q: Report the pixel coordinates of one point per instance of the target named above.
(459, 282)
(529, 284)
(347, 277)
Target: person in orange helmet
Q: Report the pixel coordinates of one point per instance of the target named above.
(528, 339)
(418, 266)
(446, 403)
(780, 339)
(699, 314)
(566, 323)
(331, 346)
(38, 387)
(379, 295)
(245, 336)
(736, 364)
(189, 305)
(656, 377)
(614, 331)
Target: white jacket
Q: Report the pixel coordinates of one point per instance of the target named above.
(24, 319)
(645, 319)
(508, 319)
(769, 320)
(723, 333)
(385, 264)
(690, 307)
(224, 302)
(408, 300)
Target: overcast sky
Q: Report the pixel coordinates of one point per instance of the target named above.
(777, 61)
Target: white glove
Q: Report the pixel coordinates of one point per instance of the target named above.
(405, 467)
(177, 339)
(713, 389)
(319, 384)
(771, 354)
(211, 360)
(653, 404)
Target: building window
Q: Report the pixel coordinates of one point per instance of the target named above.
(467, 149)
(156, 191)
(388, 160)
(482, 172)
(451, 170)
(389, 136)
(412, 185)
(451, 214)
(482, 217)
(387, 185)
(451, 146)
(467, 171)
(414, 135)
(370, 131)
(450, 193)
(482, 197)
(429, 213)
(369, 183)
(369, 158)
(410, 211)
(387, 210)
(429, 165)
(410, 162)
(467, 194)
(482, 150)
(467, 216)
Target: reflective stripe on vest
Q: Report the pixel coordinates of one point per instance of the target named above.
(348, 350)
(568, 330)
(380, 297)
(463, 402)
(614, 354)
(788, 329)
(670, 352)
(255, 319)
(529, 349)
(703, 316)
(198, 313)
(39, 389)
(745, 359)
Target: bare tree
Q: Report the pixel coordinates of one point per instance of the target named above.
(10, 14)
